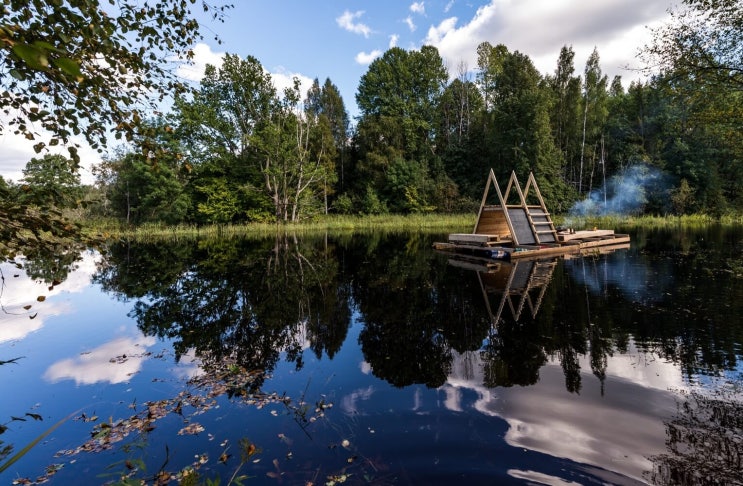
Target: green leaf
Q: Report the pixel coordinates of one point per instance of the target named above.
(46, 47)
(34, 57)
(70, 67)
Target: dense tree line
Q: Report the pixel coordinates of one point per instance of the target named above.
(235, 150)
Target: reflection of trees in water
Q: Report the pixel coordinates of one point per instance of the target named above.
(232, 299)
(704, 441)
(415, 312)
(259, 298)
(512, 357)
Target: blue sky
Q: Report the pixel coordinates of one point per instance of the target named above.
(338, 39)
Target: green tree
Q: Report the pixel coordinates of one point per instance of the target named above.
(403, 87)
(460, 111)
(52, 180)
(215, 128)
(295, 151)
(267, 149)
(518, 133)
(31, 220)
(703, 41)
(698, 68)
(565, 115)
(398, 98)
(595, 112)
(326, 101)
(79, 68)
(147, 180)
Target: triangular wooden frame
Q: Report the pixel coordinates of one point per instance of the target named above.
(496, 218)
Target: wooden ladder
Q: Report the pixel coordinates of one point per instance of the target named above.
(539, 218)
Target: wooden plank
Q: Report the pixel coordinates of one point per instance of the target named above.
(548, 251)
(480, 239)
(604, 241)
(598, 250)
(578, 235)
(493, 222)
(477, 265)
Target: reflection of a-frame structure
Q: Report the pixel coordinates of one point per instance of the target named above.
(517, 285)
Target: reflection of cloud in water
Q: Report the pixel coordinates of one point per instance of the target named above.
(348, 403)
(113, 362)
(189, 366)
(533, 477)
(20, 291)
(636, 281)
(617, 430)
(365, 367)
(13, 328)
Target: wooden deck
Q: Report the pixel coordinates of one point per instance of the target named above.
(483, 247)
(523, 229)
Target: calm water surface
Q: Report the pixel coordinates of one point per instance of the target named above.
(374, 359)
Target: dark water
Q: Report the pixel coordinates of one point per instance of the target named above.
(373, 359)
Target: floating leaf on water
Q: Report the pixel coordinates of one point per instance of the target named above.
(41, 298)
(27, 307)
(191, 429)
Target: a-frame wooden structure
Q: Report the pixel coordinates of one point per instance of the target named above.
(515, 224)
(527, 283)
(524, 222)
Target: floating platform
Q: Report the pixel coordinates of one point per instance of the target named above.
(586, 243)
(524, 229)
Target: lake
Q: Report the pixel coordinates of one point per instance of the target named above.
(374, 359)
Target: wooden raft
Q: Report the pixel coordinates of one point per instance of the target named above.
(522, 228)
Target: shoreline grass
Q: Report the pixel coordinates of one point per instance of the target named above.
(342, 225)
(388, 223)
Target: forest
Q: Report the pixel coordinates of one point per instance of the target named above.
(234, 150)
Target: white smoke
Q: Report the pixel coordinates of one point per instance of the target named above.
(625, 193)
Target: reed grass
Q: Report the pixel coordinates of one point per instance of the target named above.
(648, 221)
(335, 224)
(387, 223)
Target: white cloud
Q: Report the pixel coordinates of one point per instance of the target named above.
(347, 21)
(393, 40)
(539, 28)
(203, 55)
(282, 79)
(367, 57)
(410, 24)
(437, 34)
(21, 291)
(448, 6)
(418, 7)
(114, 362)
(17, 151)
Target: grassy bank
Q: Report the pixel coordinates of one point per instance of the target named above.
(389, 223)
(628, 222)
